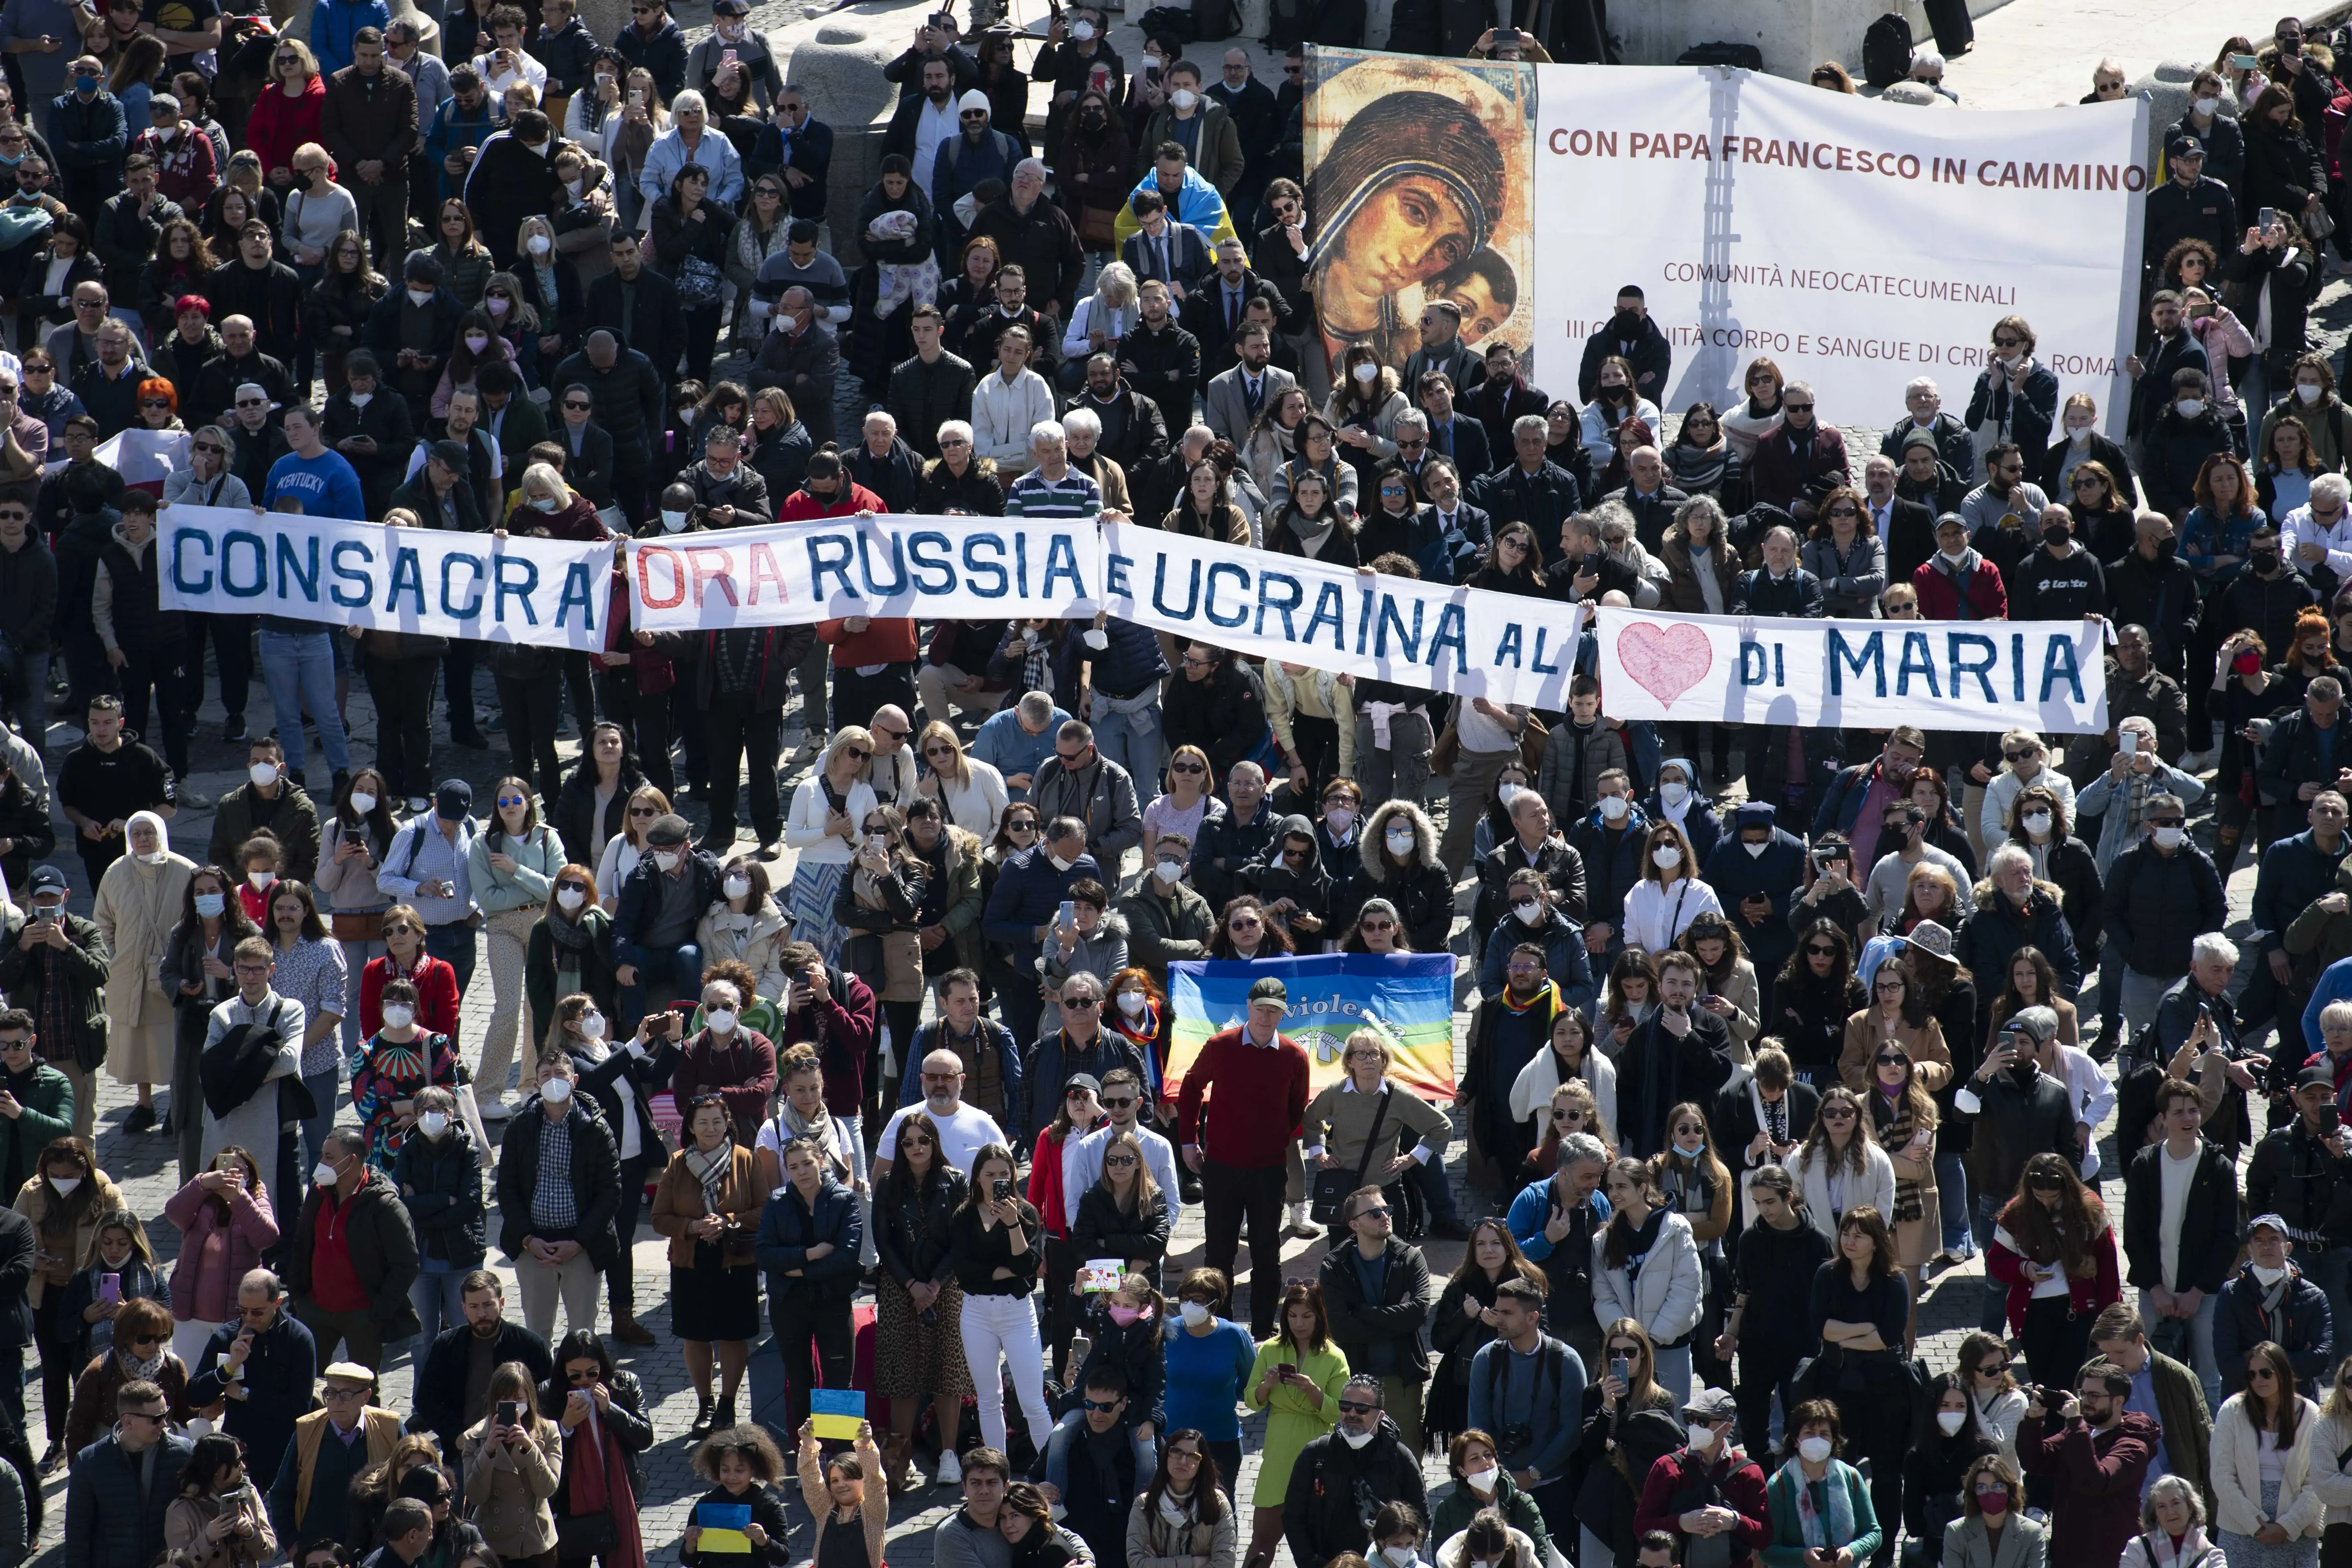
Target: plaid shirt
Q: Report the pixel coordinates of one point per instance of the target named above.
(553, 1208)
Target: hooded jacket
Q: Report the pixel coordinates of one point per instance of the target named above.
(1272, 879)
(1422, 891)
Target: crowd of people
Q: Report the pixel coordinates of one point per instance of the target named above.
(1820, 1038)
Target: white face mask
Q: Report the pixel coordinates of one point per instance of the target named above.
(263, 773)
(261, 879)
(361, 399)
(2307, 390)
(1483, 1481)
(477, 341)
(322, 1175)
(1132, 1002)
(1951, 1421)
(1613, 808)
(666, 859)
(591, 1026)
(2269, 1276)
(539, 244)
(433, 1124)
(1401, 842)
(1368, 372)
(1955, 556)
(420, 297)
(1509, 793)
(1058, 863)
(1082, 30)
(1674, 794)
(398, 1015)
(2080, 435)
(2169, 837)
(1170, 871)
(1756, 851)
(1195, 1314)
(556, 1090)
(66, 1185)
(1531, 913)
(1342, 818)
(1815, 1449)
(1401, 1556)
(1705, 1438)
(672, 521)
(1183, 98)
(2190, 407)
(2037, 823)
(570, 897)
(1666, 857)
(738, 886)
(721, 1019)
(2205, 106)
(1357, 1440)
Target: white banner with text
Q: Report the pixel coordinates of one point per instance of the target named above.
(2047, 675)
(235, 562)
(1856, 244)
(927, 568)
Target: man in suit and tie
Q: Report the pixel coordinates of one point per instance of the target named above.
(1460, 438)
(1218, 304)
(1410, 434)
(1533, 489)
(1238, 396)
(1906, 528)
(1174, 253)
(1441, 481)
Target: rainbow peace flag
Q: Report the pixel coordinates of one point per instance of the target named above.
(1407, 997)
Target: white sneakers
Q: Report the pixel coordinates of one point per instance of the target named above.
(950, 1469)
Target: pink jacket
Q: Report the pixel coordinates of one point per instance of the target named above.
(213, 1257)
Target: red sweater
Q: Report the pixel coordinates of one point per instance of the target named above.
(334, 1284)
(1263, 1091)
(436, 994)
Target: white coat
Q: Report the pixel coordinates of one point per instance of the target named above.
(2236, 1465)
(1531, 1091)
(1665, 1296)
(1875, 1186)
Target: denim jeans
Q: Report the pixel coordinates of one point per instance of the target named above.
(435, 1295)
(681, 965)
(322, 1087)
(2141, 993)
(300, 669)
(2168, 1335)
(1952, 1194)
(1140, 752)
(1996, 1294)
(1439, 1192)
(1066, 1432)
(453, 944)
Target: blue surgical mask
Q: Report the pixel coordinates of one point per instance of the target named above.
(210, 905)
(545, 503)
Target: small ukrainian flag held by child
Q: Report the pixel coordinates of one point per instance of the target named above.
(836, 1412)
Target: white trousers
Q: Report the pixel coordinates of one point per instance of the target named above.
(1005, 1325)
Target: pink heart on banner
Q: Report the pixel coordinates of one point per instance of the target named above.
(1665, 661)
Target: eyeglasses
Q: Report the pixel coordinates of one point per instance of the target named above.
(253, 402)
(915, 1139)
(1189, 1456)
(344, 1395)
(1378, 1211)
(1999, 342)
(1357, 1407)
(215, 447)
(855, 753)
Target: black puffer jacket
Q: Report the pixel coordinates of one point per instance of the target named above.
(1102, 1231)
(441, 1184)
(575, 816)
(628, 399)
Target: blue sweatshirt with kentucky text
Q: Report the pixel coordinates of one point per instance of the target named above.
(326, 485)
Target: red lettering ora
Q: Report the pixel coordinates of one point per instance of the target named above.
(713, 565)
(645, 555)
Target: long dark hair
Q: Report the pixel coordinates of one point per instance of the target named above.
(237, 923)
(917, 1120)
(1308, 1294)
(1515, 1262)
(1619, 1246)
(1208, 1502)
(2083, 1218)
(1927, 1434)
(1798, 972)
(60, 1216)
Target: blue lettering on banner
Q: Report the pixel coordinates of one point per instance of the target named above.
(1409, 640)
(579, 588)
(1508, 648)
(1192, 593)
(1872, 654)
(1329, 606)
(1062, 560)
(521, 588)
(303, 569)
(2058, 664)
(923, 564)
(2016, 666)
(181, 539)
(1239, 576)
(1454, 632)
(985, 578)
(1021, 564)
(230, 584)
(1918, 660)
(1536, 663)
(874, 587)
(1975, 643)
(1114, 576)
(449, 564)
(1752, 664)
(1293, 595)
(407, 577)
(824, 561)
(340, 562)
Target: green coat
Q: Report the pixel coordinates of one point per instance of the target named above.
(1295, 1421)
(959, 907)
(48, 1103)
(1787, 1548)
(524, 426)
(1453, 1512)
(82, 969)
(595, 970)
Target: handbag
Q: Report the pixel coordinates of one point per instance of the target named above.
(1445, 753)
(1329, 1191)
(586, 1535)
(1098, 227)
(365, 926)
(698, 283)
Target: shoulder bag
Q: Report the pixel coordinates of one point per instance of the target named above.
(1332, 1186)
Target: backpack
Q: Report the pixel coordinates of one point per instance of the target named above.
(1173, 21)
(1213, 21)
(1886, 50)
(1747, 57)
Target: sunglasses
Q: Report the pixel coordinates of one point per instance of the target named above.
(1814, 950)
(1105, 1405)
(2004, 343)
(507, 800)
(1024, 825)
(1356, 1407)
(1117, 1161)
(1119, 1104)
(154, 403)
(1250, 924)
(1380, 925)
(855, 753)
(1081, 1003)
(213, 448)
(1837, 1116)
(1186, 767)
(643, 811)
(1797, 407)
(1379, 1211)
(1893, 1061)
(915, 1140)
(1572, 1113)
(2168, 822)
(582, 407)
(939, 750)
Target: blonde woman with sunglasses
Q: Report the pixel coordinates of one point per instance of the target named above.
(828, 809)
(970, 793)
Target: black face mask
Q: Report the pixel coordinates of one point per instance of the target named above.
(1091, 118)
(1626, 324)
(2058, 536)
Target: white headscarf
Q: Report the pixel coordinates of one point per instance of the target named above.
(163, 841)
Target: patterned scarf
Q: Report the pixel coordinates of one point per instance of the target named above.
(711, 1171)
(1548, 997)
(137, 1370)
(1837, 1528)
(1896, 1127)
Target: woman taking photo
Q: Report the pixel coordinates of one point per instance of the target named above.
(1846, 1532)
(709, 1205)
(394, 1063)
(350, 852)
(225, 1223)
(1626, 1002)
(995, 1246)
(1992, 1513)
(877, 907)
(1839, 1168)
(918, 1304)
(512, 869)
(2265, 1508)
(1620, 1438)
(2103, 513)
(1727, 980)
(219, 1520)
(1646, 1267)
(139, 900)
(512, 1467)
(601, 1412)
(2054, 1228)
(1079, 1114)
(1461, 1325)
(1298, 1375)
(828, 812)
